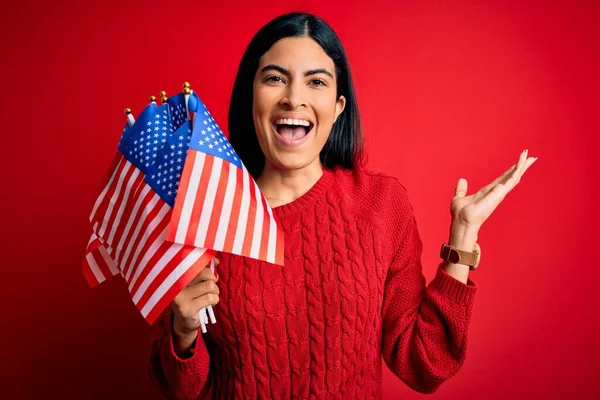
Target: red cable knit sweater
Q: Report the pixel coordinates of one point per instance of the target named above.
(351, 291)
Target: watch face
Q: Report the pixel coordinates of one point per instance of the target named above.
(454, 257)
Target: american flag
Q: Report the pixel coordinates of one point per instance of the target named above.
(132, 214)
(98, 265)
(219, 206)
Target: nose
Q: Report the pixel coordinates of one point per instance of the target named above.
(293, 97)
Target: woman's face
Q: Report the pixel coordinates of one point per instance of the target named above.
(295, 103)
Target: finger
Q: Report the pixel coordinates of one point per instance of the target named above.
(528, 164)
(213, 268)
(490, 198)
(209, 299)
(501, 179)
(216, 262)
(188, 308)
(493, 198)
(204, 275)
(522, 158)
(201, 289)
(514, 175)
(506, 181)
(522, 166)
(486, 189)
(461, 188)
(506, 176)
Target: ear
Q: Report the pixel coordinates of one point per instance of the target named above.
(339, 107)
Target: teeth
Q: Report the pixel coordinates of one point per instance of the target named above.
(290, 121)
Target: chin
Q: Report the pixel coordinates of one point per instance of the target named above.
(289, 162)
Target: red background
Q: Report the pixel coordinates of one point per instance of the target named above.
(446, 89)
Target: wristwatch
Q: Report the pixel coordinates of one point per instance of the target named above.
(456, 256)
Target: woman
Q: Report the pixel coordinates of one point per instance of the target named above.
(352, 288)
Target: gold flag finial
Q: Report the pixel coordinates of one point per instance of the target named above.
(186, 88)
(129, 116)
(163, 96)
(152, 99)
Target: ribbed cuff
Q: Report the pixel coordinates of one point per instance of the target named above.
(452, 288)
(198, 352)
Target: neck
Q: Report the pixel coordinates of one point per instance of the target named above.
(282, 186)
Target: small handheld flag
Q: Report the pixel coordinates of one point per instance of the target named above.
(177, 194)
(219, 206)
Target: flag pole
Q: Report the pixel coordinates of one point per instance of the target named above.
(186, 92)
(207, 311)
(130, 119)
(213, 319)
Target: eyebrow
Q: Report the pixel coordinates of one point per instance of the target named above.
(284, 71)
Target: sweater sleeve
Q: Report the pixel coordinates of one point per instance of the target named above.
(424, 327)
(176, 377)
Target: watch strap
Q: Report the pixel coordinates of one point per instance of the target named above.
(456, 256)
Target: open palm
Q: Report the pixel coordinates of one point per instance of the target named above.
(473, 210)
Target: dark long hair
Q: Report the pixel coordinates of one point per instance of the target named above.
(344, 146)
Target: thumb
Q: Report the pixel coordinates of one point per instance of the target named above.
(461, 188)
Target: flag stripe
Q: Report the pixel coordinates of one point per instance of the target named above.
(202, 257)
(258, 222)
(100, 274)
(235, 213)
(266, 229)
(280, 247)
(181, 213)
(92, 275)
(152, 253)
(209, 200)
(195, 199)
(160, 260)
(166, 272)
(134, 205)
(271, 250)
(243, 218)
(150, 209)
(115, 199)
(115, 167)
(217, 208)
(132, 185)
(141, 199)
(247, 246)
(97, 265)
(108, 192)
(226, 209)
(151, 233)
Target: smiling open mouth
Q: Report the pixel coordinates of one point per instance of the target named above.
(292, 129)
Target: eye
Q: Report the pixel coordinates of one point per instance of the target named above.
(318, 82)
(274, 79)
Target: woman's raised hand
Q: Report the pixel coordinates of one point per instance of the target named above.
(472, 211)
